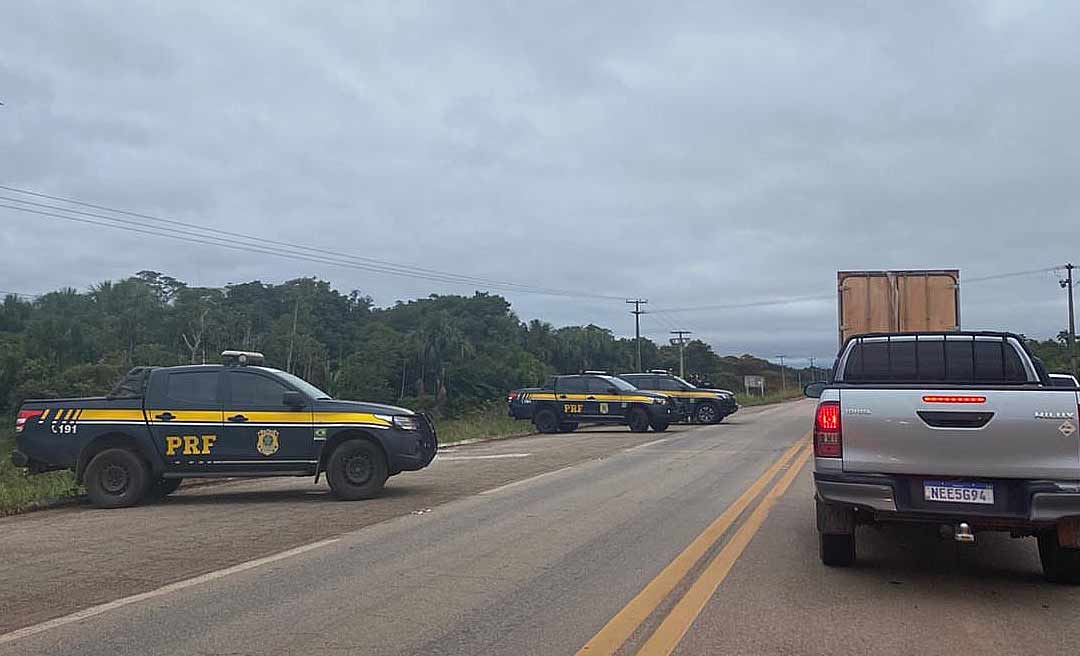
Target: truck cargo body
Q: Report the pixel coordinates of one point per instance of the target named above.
(897, 301)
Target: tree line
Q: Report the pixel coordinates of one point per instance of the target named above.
(444, 353)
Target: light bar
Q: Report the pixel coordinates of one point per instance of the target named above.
(954, 399)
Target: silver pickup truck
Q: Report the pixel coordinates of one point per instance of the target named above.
(961, 430)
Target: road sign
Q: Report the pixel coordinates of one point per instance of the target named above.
(751, 382)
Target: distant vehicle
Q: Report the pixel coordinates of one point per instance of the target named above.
(961, 430)
(898, 301)
(1064, 380)
(704, 406)
(518, 403)
(566, 401)
(161, 425)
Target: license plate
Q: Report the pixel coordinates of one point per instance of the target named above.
(958, 492)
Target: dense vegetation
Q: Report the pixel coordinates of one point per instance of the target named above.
(447, 353)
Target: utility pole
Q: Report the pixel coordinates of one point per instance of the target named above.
(637, 312)
(680, 339)
(1068, 285)
(813, 376)
(783, 380)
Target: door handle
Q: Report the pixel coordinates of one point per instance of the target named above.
(165, 416)
(590, 398)
(562, 396)
(238, 418)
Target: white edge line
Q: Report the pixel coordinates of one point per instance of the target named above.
(496, 456)
(642, 446)
(532, 479)
(94, 611)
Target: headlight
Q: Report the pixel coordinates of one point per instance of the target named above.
(407, 422)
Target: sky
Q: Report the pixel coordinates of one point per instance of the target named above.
(692, 154)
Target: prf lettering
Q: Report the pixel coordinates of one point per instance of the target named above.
(573, 408)
(192, 445)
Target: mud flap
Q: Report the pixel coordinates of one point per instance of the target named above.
(834, 519)
(1068, 532)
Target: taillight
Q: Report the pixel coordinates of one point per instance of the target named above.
(511, 397)
(25, 416)
(828, 439)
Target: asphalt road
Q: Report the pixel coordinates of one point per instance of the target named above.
(697, 541)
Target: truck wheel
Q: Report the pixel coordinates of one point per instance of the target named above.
(836, 550)
(638, 420)
(660, 426)
(568, 427)
(707, 413)
(116, 478)
(357, 470)
(1060, 564)
(546, 421)
(163, 487)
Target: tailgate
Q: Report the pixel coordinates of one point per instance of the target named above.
(1010, 434)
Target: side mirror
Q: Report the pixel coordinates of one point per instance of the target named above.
(293, 399)
(814, 390)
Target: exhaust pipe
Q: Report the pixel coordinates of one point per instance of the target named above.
(963, 533)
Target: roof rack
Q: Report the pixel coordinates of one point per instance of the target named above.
(242, 358)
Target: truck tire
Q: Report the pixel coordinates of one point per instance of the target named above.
(546, 421)
(116, 478)
(1060, 564)
(836, 550)
(637, 419)
(163, 487)
(708, 413)
(568, 427)
(660, 426)
(356, 470)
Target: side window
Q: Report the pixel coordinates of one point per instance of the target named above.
(193, 387)
(255, 390)
(1014, 368)
(665, 384)
(574, 385)
(641, 382)
(601, 386)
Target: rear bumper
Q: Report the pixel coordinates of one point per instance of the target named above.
(1018, 503)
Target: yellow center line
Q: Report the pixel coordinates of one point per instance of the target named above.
(623, 625)
(671, 631)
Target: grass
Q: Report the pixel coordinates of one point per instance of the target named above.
(492, 421)
(19, 492)
(775, 397)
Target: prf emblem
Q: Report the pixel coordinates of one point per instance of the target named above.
(603, 408)
(266, 442)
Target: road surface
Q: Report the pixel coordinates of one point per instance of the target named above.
(696, 541)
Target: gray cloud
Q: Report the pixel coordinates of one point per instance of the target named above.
(694, 155)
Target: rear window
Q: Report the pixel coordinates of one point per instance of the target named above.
(953, 360)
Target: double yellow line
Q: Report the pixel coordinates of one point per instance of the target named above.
(671, 631)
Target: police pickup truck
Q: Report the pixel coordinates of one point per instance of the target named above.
(568, 400)
(962, 430)
(703, 406)
(162, 425)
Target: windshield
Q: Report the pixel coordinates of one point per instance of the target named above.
(621, 384)
(302, 385)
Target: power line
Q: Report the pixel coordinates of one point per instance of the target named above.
(268, 247)
(271, 246)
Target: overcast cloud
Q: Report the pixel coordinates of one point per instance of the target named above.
(691, 154)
